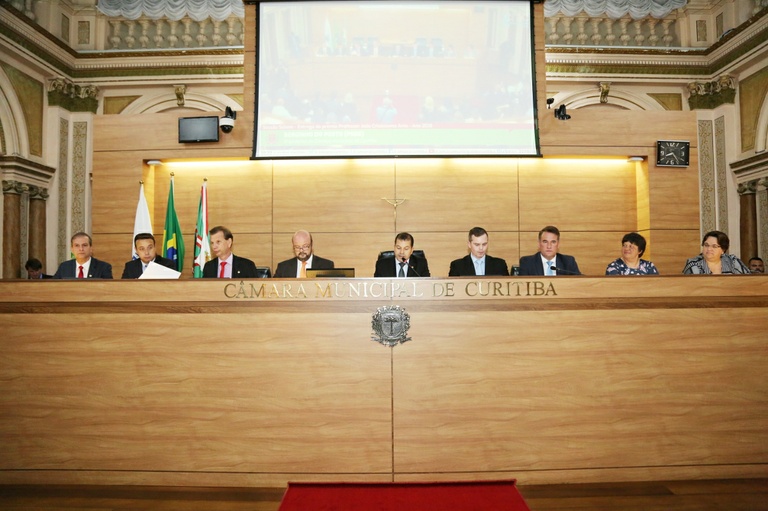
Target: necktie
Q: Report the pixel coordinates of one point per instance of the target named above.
(303, 273)
(479, 267)
(550, 271)
(80, 273)
(401, 273)
(221, 273)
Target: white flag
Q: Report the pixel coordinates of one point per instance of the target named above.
(142, 223)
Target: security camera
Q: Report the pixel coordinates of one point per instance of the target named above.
(227, 123)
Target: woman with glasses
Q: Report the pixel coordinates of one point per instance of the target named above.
(713, 258)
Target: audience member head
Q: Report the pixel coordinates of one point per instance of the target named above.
(221, 242)
(34, 268)
(478, 242)
(756, 265)
(302, 245)
(549, 242)
(714, 245)
(403, 246)
(82, 247)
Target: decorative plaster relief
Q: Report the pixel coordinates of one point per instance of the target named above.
(62, 243)
(79, 175)
(722, 175)
(706, 176)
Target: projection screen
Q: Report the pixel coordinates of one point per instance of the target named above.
(409, 78)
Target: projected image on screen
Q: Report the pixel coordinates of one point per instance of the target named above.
(415, 78)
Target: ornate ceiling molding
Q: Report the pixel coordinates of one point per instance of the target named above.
(747, 41)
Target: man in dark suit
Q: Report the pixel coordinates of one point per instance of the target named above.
(35, 270)
(404, 263)
(144, 243)
(547, 261)
(226, 265)
(305, 258)
(478, 262)
(83, 266)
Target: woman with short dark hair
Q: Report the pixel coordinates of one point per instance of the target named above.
(632, 248)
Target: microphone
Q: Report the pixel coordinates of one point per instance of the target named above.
(410, 267)
(563, 270)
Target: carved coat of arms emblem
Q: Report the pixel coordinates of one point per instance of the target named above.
(390, 325)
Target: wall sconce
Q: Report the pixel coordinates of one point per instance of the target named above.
(154, 162)
(636, 158)
(561, 114)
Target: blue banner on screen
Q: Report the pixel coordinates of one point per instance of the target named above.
(416, 78)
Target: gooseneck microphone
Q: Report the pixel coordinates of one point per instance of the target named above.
(563, 270)
(410, 266)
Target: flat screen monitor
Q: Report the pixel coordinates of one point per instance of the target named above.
(330, 273)
(357, 78)
(198, 129)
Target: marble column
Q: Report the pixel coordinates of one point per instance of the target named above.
(748, 218)
(37, 225)
(12, 191)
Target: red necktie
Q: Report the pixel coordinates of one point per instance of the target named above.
(221, 273)
(80, 274)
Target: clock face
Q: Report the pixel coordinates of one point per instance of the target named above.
(672, 153)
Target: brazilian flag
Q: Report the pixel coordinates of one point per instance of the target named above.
(173, 242)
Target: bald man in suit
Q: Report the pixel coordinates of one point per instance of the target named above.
(305, 258)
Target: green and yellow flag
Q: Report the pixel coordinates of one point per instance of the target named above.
(173, 242)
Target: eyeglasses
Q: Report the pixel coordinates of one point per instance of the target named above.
(302, 247)
(705, 245)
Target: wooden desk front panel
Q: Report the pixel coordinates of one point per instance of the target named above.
(553, 394)
(190, 383)
(197, 393)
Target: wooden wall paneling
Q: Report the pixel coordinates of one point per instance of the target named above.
(606, 130)
(564, 193)
(674, 197)
(157, 135)
(457, 194)
(672, 247)
(115, 192)
(239, 193)
(343, 196)
(642, 188)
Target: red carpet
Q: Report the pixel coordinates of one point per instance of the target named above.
(458, 496)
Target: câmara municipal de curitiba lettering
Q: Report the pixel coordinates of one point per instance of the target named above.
(250, 290)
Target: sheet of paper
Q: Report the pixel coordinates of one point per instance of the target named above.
(158, 271)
